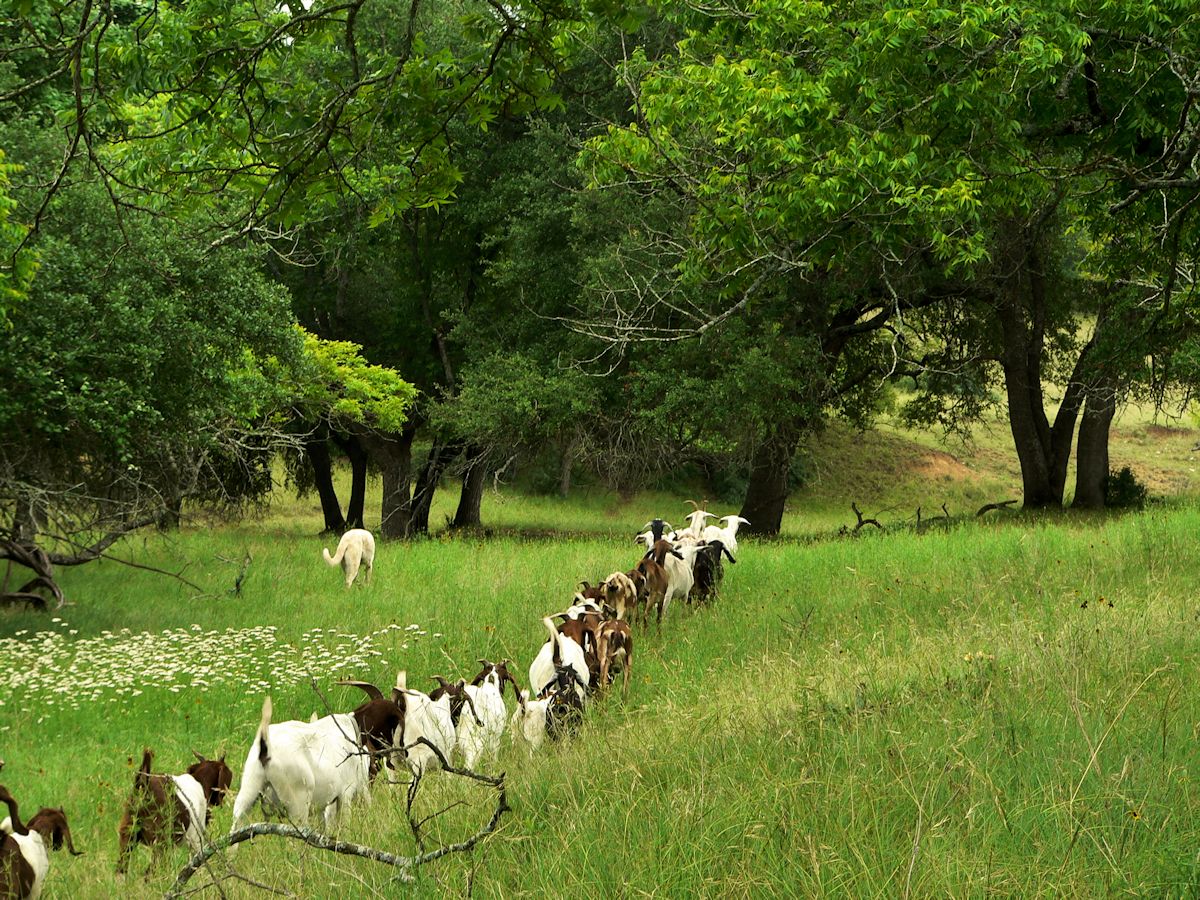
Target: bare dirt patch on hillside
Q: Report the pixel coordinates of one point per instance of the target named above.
(942, 466)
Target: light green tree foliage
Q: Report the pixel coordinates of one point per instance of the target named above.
(334, 384)
(16, 266)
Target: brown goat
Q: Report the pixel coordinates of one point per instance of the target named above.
(655, 577)
(164, 809)
(587, 592)
(615, 647)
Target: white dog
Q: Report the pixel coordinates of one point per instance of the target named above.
(357, 547)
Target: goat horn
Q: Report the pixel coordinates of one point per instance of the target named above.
(198, 756)
(695, 506)
(373, 692)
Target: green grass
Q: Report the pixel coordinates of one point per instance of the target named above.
(1000, 706)
(817, 731)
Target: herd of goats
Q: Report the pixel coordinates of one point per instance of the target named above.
(300, 768)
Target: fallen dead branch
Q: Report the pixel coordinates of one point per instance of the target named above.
(407, 864)
(1003, 504)
(862, 521)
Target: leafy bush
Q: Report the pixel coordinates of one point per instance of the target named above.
(1123, 490)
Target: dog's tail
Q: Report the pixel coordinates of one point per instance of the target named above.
(336, 559)
(264, 752)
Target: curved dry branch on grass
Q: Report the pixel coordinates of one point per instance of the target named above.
(324, 842)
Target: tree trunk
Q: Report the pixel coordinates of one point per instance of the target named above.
(172, 514)
(317, 448)
(1043, 450)
(766, 494)
(471, 500)
(570, 451)
(428, 478)
(393, 456)
(1091, 474)
(357, 454)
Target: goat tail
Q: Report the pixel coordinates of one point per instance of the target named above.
(143, 771)
(264, 752)
(556, 656)
(336, 559)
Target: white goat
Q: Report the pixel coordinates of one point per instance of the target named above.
(357, 547)
(726, 534)
(680, 576)
(308, 766)
(424, 718)
(528, 722)
(695, 527)
(480, 739)
(560, 650)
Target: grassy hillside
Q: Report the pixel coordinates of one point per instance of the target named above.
(998, 706)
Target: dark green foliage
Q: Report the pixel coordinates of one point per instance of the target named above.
(140, 369)
(1124, 490)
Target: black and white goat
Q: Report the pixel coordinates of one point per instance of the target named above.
(559, 650)
(708, 570)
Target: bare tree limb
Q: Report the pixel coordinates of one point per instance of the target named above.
(323, 842)
(1003, 504)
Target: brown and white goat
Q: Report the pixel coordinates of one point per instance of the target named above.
(620, 593)
(169, 809)
(583, 630)
(615, 648)
(24, 848)
(379, 720)
(676, 561)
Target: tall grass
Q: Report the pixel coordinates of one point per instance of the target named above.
(990, 708)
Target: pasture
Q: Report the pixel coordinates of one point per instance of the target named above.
(998, 707)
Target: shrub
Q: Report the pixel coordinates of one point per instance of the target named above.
(1123, 490)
